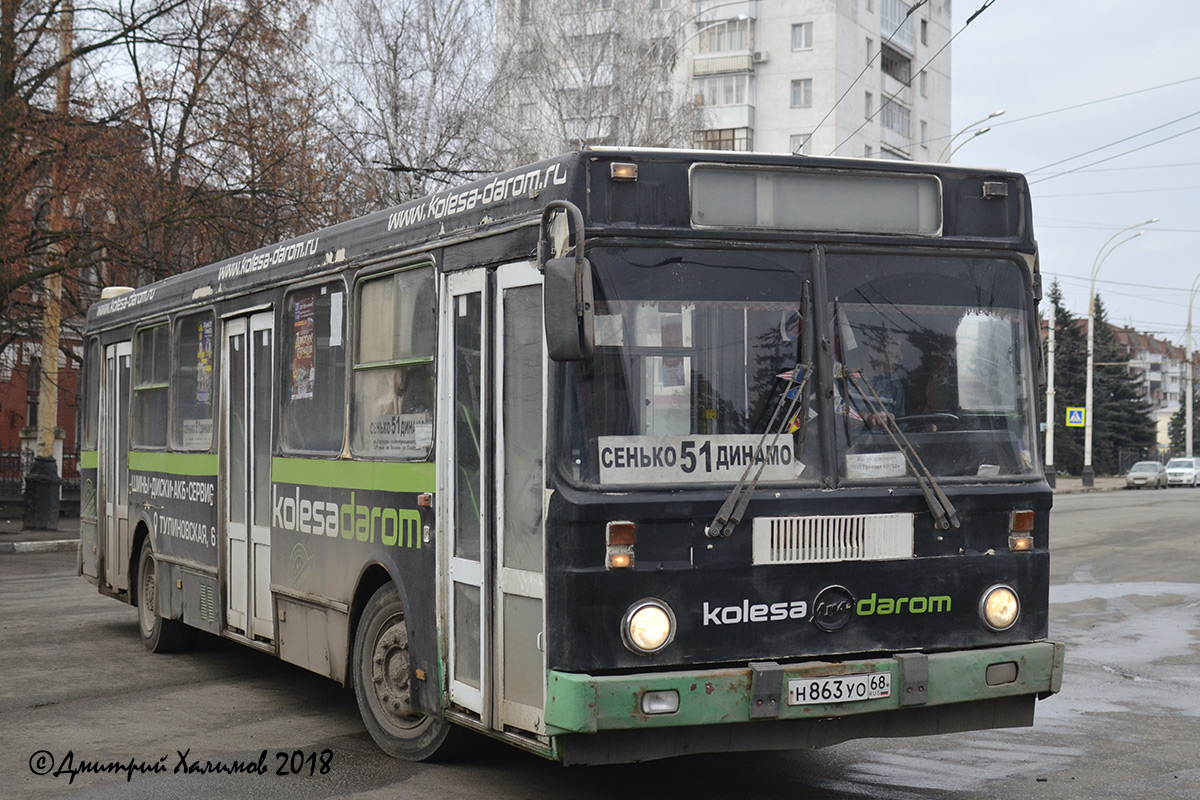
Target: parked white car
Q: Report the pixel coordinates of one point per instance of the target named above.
(1146, 473)
(1183, 472)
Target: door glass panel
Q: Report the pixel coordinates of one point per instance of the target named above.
(261, 405)
(523, 669)
(466, 634)
(468, 402)
(522, 411)
(122, 439)
(237, 429)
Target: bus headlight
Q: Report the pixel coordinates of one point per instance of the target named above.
(648, 626)
(999, 608)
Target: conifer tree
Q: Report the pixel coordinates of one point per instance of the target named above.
(1070, 345)
(1177, 429)
(1120, 415)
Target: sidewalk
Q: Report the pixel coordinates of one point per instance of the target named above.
(1073, 484)
(14, 538)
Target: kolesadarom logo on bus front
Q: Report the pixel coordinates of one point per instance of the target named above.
(832, 609)
(399, 527)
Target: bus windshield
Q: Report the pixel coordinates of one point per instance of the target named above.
(917, 361)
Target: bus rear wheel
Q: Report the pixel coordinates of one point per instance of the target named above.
(382, 685)
(159, 635)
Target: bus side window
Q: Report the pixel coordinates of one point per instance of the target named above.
(151, 373)
(92, 366)
(192, 386)
(393, 365)
(314, 351)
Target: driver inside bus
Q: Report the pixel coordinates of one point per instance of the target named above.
(877, 394)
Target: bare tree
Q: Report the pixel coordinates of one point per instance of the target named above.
(197, 130)
(414, 79)
(36, 139)
(231, 117)
(590, 72)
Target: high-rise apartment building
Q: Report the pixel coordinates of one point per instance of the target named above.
(844, 77)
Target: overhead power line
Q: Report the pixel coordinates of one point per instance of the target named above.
(1118, 155)
(1113, 143)
(1121, 191)
(1097, 101)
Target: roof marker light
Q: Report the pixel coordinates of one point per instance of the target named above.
(622, 171)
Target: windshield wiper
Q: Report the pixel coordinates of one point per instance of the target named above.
(795, 390)
(943, 511)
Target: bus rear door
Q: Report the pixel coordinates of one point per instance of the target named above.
(246, 465)
(114, 463)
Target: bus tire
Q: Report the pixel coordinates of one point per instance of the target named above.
(159, 635)
(382, 677)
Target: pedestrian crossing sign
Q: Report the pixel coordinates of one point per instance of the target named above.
(1075, 417)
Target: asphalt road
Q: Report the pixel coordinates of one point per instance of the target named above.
(78, 690)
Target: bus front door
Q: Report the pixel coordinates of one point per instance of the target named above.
(246, 466)
(493, 494)
(114, 463)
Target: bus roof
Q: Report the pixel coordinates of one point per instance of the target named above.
(514, 199)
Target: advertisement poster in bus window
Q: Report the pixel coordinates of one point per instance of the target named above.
(204, 363)
(304, 329)
(197, 424)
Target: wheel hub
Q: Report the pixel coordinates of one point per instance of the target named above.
(390, 673)
(149, 599)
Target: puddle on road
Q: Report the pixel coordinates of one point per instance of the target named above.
(1131, 649)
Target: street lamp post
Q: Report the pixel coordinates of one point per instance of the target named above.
(966, 141)
(1051, 476)
(1088, 476)
(1188, 372)
(949, 148)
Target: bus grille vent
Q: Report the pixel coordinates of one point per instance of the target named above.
(817, 540)
(208, 606)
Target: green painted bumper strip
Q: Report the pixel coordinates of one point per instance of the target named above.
(577, 703)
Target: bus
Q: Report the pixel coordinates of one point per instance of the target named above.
(621, 455)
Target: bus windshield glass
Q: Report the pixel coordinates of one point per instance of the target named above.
(695, 375)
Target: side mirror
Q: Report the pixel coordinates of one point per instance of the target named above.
(567, 303)
(569, 309)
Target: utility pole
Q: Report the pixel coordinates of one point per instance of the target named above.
(1188, 372)
(43, 484)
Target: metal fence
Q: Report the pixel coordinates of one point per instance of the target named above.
(15, 464)
(1127, 457)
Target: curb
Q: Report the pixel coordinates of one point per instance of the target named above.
(53, 546)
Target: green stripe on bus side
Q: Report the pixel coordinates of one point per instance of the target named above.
(89, 459)
(363, 475)
(174, 463)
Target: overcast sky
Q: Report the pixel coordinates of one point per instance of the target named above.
(1040, 61)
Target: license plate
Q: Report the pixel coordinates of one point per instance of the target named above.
(839, 688)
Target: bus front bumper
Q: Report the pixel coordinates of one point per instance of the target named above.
(579, 703)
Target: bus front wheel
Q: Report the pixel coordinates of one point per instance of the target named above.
(382, 685)
(159, 635)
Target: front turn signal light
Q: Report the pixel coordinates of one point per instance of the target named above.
(1020, 531)
(620, 536)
